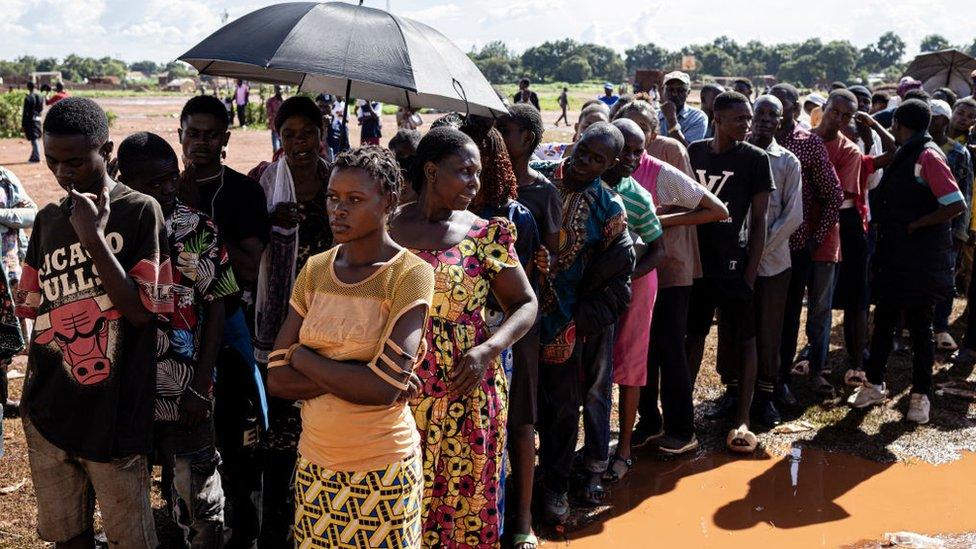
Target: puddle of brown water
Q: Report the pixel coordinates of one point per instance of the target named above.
(809, 499)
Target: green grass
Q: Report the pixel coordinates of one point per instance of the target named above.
(549, 93)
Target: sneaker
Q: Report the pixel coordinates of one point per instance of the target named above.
(556, 507)
(765, 413)
(784, 396)
(643, 436)
(867, 395)
(674, 446)
(726, 405)
(918, 409)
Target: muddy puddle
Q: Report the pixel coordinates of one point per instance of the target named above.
(810, 498)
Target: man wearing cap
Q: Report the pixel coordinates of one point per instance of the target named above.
(608, 97)
(960, 164)
(677, 119)
(813, 109)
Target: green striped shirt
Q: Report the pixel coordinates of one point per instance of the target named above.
(641, 214)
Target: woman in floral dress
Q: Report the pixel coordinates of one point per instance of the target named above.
(462, 412)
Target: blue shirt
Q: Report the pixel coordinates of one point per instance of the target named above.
(609, 100)
(693, 123)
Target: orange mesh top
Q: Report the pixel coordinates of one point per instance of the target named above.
(351, 322)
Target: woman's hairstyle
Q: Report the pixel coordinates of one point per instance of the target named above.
(641, 107)
(498, 182)
(378, 162)
(438, 144)
(298, 105)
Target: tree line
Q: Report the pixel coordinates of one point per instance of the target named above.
(806, 63)
(76, 68)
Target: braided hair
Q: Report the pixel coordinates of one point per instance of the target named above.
(378, 162)
(498, 182)
(438, 144)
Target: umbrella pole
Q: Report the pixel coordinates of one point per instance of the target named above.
(345, 112)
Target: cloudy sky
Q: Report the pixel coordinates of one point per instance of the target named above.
(161, 30)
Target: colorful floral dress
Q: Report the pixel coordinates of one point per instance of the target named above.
(462, 437)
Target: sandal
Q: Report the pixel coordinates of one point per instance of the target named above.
(741, 441)
(855, 378)
(801, 368)
(525, 541)
(619, 468)
(944, 343)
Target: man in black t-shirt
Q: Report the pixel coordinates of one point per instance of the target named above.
(96, 279)
(739, 174)
(238, 206)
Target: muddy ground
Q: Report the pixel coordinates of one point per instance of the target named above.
(873, 445)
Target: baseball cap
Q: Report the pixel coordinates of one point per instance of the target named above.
(940, 108)
(816, 99)
(860, 90)
(678, 75)
(607, 86)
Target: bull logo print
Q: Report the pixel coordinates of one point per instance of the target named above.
(82, 330)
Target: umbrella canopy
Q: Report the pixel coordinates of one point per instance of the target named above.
(943, 69)
(347, 50)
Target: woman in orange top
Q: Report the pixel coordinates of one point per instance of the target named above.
(354, 332)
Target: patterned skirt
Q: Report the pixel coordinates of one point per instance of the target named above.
(358, 509)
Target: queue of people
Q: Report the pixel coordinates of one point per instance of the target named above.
(356, 346)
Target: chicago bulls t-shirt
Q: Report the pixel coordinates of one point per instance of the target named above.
(734, 176)
(91, 375)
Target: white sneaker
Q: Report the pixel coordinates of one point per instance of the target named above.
(918, 409)
(867, 394)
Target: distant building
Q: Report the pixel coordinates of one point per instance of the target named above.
(182, 85)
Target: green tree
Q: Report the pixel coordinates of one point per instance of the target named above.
(605, 63)
(496, 62)
(805, 70)
(179, 69)
(544, 60)
(716, 61)
(934, 42)
(647, 56)
(574, 70)
(891, 49)
(147, 67)
(838, 58)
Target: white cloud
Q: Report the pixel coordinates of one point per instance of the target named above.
(161, 29)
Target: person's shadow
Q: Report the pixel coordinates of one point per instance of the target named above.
(802, 489)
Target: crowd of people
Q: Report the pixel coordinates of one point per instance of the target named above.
(357, 346)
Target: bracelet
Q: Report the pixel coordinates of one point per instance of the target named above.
(197, 394)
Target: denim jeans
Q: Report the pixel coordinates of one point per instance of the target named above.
(584, 380)
(819, 278)
(191, 483)
(67, 487)
(943, 309)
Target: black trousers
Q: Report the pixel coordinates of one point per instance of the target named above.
(242, 114)
(585, 380)
(918, 319)
(667, 368)
(770, 302)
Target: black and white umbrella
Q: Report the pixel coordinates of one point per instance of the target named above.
(347, 50)
(943, 69)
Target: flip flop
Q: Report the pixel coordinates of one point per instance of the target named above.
(619, 468)
(525, 541)
(741, 441)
